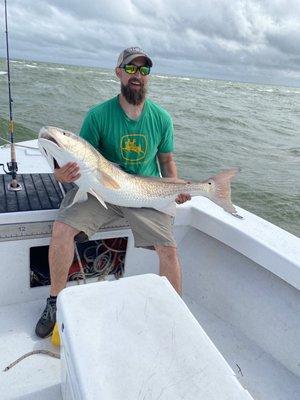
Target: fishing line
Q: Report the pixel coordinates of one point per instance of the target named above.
(19, 145)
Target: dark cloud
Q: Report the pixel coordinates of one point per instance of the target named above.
(237, 39)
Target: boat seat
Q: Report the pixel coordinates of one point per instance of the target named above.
(135, 338)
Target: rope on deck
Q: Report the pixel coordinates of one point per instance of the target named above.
(46, 352)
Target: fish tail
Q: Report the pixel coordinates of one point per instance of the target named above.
(221, 191)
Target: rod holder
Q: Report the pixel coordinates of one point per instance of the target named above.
(14, 186)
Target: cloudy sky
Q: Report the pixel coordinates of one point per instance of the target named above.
(245, 40)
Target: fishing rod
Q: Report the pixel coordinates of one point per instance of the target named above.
(12, 165)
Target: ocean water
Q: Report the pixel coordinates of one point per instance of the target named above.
(218, 124)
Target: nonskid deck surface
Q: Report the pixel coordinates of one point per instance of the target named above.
(38, 376)
(39, 192)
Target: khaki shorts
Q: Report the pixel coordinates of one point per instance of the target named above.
(149, 227)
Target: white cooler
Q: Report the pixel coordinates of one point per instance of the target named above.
(135, 339)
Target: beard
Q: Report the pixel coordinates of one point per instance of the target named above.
(133, 96)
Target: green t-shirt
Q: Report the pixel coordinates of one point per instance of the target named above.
(133, 144)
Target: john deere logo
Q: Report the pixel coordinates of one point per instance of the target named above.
(133, 147)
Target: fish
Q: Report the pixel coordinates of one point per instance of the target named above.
(109, 183)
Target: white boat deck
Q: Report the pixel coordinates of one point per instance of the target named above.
(38, 376)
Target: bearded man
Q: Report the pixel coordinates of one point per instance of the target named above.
(136, 133)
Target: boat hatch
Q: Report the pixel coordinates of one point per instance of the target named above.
(99, 258)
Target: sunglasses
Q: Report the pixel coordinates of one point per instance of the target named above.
(132, 69)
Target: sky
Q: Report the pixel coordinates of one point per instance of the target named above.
(240, 40)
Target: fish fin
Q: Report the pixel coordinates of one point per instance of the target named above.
(98, 197)
(170, 209)
(79, 197)
(108, 181)
(221, 191)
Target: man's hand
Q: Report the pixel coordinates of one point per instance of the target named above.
(67, 173)
(169, 170)
(182, 198)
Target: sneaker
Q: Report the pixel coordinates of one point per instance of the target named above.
(46, 323)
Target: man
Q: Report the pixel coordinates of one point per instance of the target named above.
(135, 133)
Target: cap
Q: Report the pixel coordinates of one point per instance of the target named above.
(130, 54)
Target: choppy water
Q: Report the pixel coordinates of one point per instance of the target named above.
(218, 124)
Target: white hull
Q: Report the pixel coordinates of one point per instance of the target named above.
(241, 280)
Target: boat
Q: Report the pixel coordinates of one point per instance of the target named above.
(122, 331)
(241, 301)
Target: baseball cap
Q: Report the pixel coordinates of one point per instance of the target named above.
(130, 54)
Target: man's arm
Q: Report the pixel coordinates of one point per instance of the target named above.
(169, 170)
(167, 165)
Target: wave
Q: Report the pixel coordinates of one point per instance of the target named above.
(266, 90)
(110, 80)
(180, 78)
(96, 73)
(290, 91)
(276, 90)
(294, 151)
(57, 68)
(3, 73)
(162, 77)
